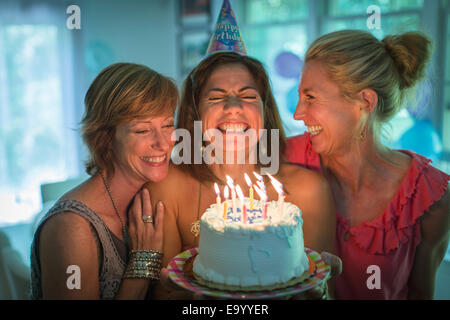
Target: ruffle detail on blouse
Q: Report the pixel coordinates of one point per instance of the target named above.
(422, 186)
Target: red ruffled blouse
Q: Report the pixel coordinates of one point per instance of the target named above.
(378, 255)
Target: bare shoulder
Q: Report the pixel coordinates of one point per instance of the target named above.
(310, 192)
(436, 221)
(300, 180)
(66, 228)
(443, 205)
(175, 178)
(173, 188)
(67, 240)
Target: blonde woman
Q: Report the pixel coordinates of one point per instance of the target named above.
(392, 205)
(104, 228)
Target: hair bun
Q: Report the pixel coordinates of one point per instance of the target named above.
(410, 52)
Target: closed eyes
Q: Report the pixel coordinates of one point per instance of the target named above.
(247, 97)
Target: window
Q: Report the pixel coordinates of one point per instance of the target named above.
(37, 138)
(278, 32)
(397, 16)
(194, 19)
(272, 11)
(275, 32)
(270, 27)
(355, 7)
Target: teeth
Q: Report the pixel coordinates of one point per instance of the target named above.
(233, 127)
(154, 159)
(315, 129)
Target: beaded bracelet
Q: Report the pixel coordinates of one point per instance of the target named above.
(144, 264)
(145, 254)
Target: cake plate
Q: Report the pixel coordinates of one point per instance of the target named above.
(319, 273)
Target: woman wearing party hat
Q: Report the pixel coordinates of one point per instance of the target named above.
(230, 94)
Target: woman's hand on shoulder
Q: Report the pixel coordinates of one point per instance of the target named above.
(146, 223)
(68, 252)
(169, 191)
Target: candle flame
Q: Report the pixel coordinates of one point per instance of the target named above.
(226, 193)
(273, 180)
(260, 193)
(216, 187)
(247, 179)
(259, 177)
(239, 193)
(278, 188)
(261, 185)
(230, 182)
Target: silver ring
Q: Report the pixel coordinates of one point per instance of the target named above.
(147, 218)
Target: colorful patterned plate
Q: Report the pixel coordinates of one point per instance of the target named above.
(177, 275)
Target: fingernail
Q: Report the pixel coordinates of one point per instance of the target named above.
(160, 203)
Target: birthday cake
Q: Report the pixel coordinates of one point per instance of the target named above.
(262, 249)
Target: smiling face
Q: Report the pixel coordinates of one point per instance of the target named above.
(230, 102)
(141, 148)
(331, 119)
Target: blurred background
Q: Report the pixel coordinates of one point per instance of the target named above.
(48, 59)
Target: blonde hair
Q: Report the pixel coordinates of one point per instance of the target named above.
(121, 92)
(356, 60)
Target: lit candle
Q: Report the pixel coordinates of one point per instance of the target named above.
(216, 188)
(278, 186)
(260, 181)
(233, 192)
(225, 195)
(261, 185)
(263, 198)
(257, 176)
(250, 192)
(273, 180)
(243, 207)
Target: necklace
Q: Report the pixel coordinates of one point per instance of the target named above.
(195, 226)
(124, 229)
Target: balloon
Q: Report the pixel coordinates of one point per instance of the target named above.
(292, 99)
(421, 104)
(288, 65)
(423, 139)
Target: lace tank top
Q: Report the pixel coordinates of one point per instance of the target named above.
(113, 251)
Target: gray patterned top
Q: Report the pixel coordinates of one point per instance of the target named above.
(113, 253)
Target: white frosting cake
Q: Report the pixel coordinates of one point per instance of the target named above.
(259, 254)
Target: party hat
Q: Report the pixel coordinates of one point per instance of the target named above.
(226, 36)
